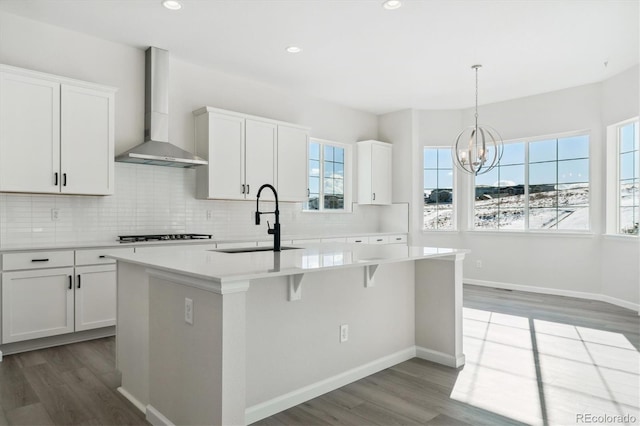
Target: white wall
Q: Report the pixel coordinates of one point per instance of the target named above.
(620, 259)
(564, 263)
(399, 128)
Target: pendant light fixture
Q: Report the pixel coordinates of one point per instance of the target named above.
(478, 149)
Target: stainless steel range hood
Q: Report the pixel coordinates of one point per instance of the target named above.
(156, 149)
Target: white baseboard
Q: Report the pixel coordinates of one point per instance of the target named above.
(291, 399)
(556, 292)
(156, 418)
(440, 357)
(139, 405)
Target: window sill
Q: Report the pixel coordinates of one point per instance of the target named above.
(440, 231)
(573, 234)
(621, 237)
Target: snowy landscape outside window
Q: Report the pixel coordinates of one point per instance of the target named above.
(438, 189)
(538, 185)
(500, 193)
(326, 177)
(628, 179)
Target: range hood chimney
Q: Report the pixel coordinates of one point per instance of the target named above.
(156, 149)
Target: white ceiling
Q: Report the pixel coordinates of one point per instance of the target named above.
(358, 54)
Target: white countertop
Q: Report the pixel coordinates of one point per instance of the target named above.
(232, 267)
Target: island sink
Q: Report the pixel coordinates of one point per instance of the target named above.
(251, 249)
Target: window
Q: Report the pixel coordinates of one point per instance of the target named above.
(438, 189)
(327, 180)
(628, 179)
(538, 185)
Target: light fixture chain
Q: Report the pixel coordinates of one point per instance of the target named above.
(476, 96)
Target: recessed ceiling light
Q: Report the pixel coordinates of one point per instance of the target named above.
(294, 49)
(172, 4)
(392, 4)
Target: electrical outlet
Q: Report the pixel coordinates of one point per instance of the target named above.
(55, 214)
(188, 310)
(478, 263)
(344, 333)
(209, 214)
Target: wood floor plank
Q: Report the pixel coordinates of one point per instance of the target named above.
(15, 391)
(34, 414)
(92, 358)
(94, 395)
(377, 415)
(57, 397)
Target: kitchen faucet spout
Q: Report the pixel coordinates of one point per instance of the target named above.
(275, 231)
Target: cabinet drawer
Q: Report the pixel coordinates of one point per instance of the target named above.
(363, 240)
(334, 240)
(398, 239)
(379, 240)
(98, 256)
(37, 260)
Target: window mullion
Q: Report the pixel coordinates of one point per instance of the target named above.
(321, 183)
(526, 185)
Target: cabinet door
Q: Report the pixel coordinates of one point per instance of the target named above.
(292, 163)
(36, 304)
(95, 297)
(260, 157)
(29, 134)
(87, 141)
(380, 174)
(226, 157)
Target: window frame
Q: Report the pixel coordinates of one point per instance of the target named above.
(348, 173)
(454, 191)
(613, 181)
(527, 230)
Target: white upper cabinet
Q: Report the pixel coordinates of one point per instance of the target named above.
(220, 138)
(86, 142)
(374, 172)
(245, 152)
(260, 157)
(292, 163)
(56, 134)
(29, 134)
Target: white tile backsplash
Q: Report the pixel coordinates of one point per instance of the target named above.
(153, 199)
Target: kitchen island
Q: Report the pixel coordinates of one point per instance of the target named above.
(208, 337)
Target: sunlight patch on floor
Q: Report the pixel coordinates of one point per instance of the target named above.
(544, 372)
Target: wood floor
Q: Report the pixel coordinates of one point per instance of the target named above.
(531, 359)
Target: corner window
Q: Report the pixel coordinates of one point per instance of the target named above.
(538, 185)
(628, 179)
(438, 189)
(328, 176)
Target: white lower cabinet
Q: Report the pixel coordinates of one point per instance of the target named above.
(95, 297)
(44, 295)
(37, 303)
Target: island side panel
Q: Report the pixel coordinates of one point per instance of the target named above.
(293, 347)
(132, 333)
(206, 358)
(438, 307)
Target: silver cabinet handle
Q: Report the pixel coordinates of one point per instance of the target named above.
(374, 196)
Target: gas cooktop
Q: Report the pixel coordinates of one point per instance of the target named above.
(162, 237)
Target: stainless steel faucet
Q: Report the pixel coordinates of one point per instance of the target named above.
(275, 231)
